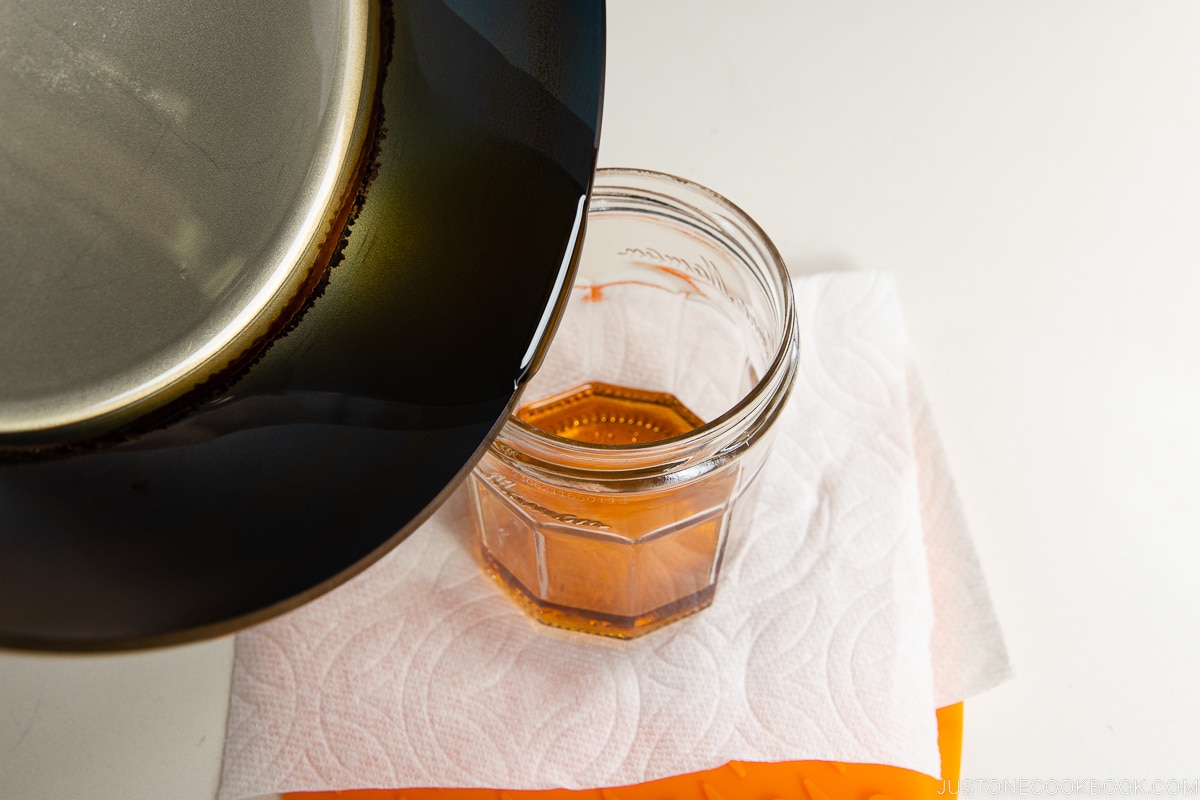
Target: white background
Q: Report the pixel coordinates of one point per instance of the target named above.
(1031, 172)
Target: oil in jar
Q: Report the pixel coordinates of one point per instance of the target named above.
(609, 562)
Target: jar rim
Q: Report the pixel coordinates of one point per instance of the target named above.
(778, 376)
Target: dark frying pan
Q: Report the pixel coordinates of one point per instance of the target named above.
(272, 275)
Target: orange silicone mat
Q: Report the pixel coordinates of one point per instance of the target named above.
(791, 780)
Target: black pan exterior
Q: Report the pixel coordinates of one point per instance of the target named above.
(299, 469)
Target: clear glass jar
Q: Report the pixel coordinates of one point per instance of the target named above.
(605, 504)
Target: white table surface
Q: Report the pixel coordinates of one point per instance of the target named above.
(1031, 172)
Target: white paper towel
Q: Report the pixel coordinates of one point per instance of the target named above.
(818, 646)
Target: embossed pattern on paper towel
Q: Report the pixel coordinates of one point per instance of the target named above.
(420, 673)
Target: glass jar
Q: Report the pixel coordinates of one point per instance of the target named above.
(605, 504)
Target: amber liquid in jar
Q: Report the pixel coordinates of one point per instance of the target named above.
(617, 564)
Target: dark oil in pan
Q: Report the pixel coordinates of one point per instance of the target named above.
(348, 426)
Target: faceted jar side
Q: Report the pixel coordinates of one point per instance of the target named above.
(619, 565)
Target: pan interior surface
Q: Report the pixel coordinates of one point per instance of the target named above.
(429, 260)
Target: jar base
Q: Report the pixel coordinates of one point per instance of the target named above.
(594, 622)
